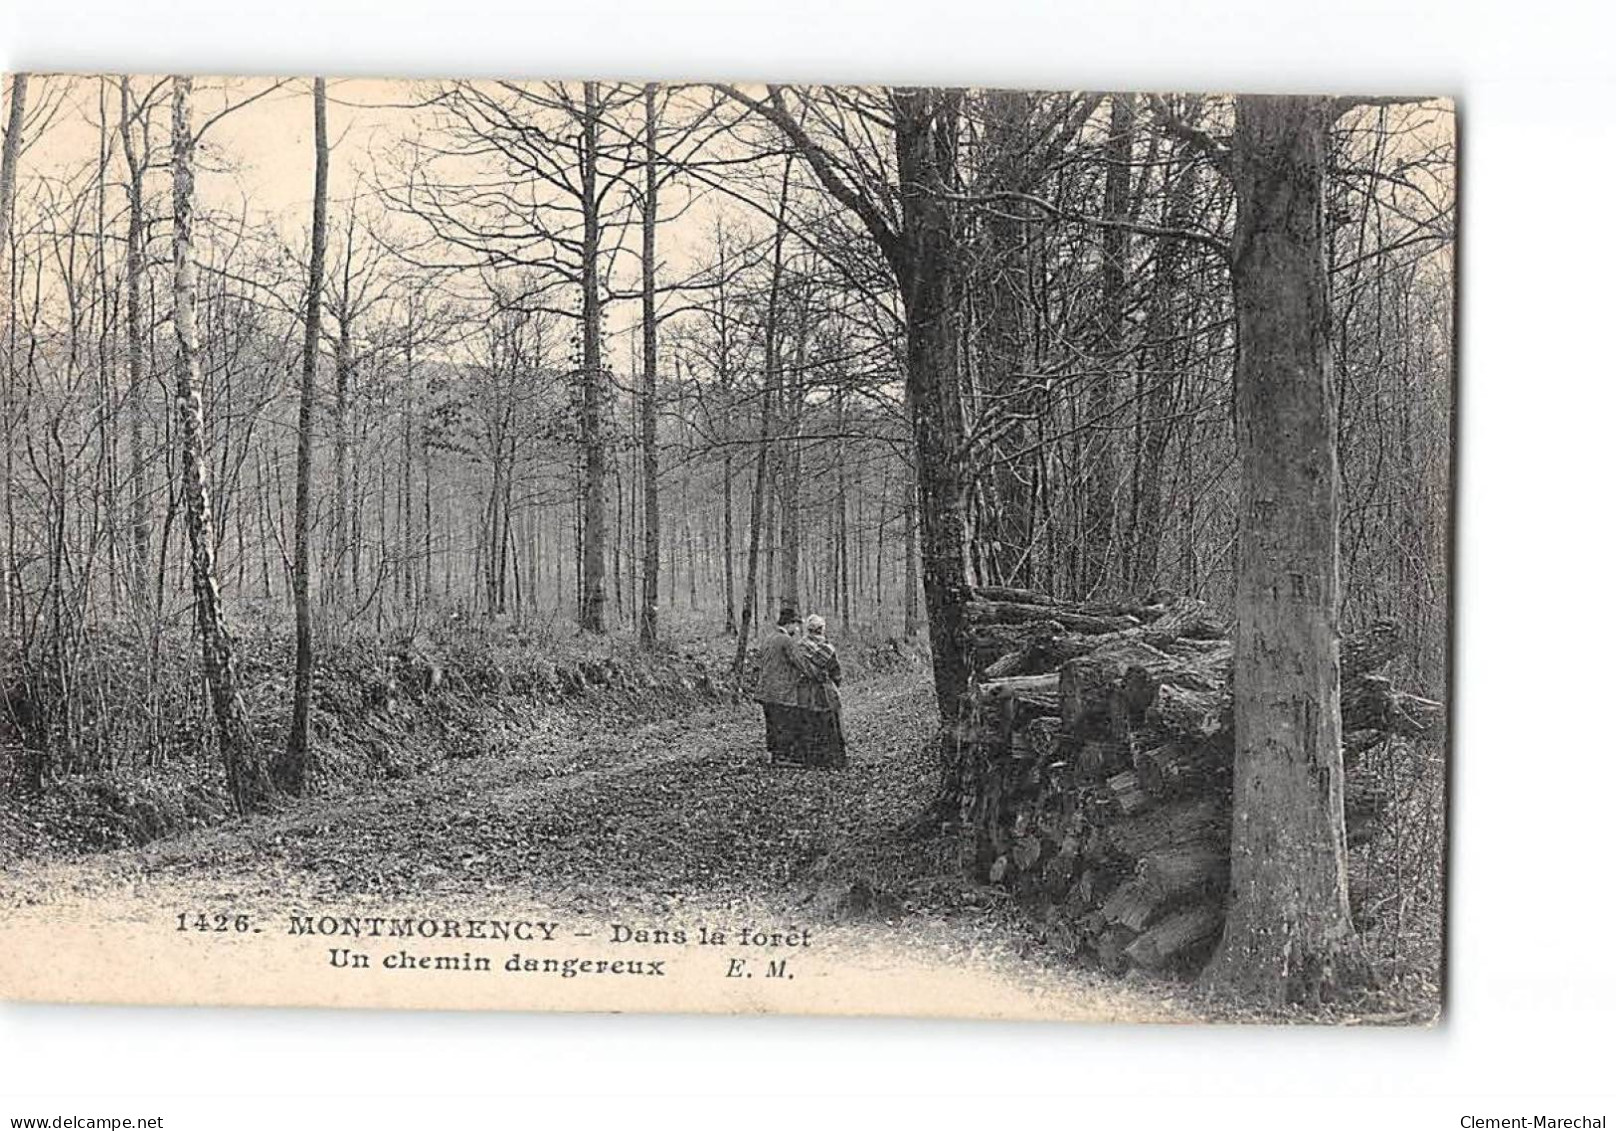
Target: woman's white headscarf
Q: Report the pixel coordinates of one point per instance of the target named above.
(815, 624)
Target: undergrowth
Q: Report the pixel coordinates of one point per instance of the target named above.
(110, 742)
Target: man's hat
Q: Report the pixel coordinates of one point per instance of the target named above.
(788, 615)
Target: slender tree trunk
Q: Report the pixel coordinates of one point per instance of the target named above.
(592, 599)
(140, 531)
(729, 542)
(648, 404)
(1100, 470)
(911, 554)
(428, 523)
(261, 494)
(771, 377)
(1289, 935)
(1008, 527)
(789, 473)
(881, 543)
(356, 499)
(291, 766)
(842, 579)
(249, 783)
(509, 571)
(771, 531)
(412, 588)
(617, 542)
(726, 392)
(12, 582)
(10, 153)
(340, 521)
(1160, 396)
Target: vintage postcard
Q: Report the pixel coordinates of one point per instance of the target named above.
(750, 549)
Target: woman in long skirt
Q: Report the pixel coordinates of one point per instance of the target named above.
(822, 741)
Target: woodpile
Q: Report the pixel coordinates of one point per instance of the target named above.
(1098, 748)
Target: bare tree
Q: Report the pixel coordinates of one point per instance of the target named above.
(913, 226)
(292, 767)
(357, 285)
(249, 783)
(137, 157)
(771, 380)
(592, 612)
(651, 565)
(13, 148)
(12, 582)
(1100, 466)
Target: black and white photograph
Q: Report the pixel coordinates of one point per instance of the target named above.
(658, 546)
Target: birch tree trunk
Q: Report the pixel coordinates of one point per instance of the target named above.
(291, 766)
(140, 548)
(1289, 936)
(249, 783)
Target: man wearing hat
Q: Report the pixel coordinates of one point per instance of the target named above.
(780, 668)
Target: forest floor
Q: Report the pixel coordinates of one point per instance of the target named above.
(673, 821)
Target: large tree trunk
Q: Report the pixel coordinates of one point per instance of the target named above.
(1289, 935)
(648, 404)
(249, 783)
(924, 256)
(291, 766)
(926, 122)
(592, 603)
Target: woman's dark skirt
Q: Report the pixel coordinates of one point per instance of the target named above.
(821, 740)
(799, 736)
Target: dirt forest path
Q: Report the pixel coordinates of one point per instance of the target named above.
(679, 821)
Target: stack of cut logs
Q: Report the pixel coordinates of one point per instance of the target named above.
(1098, 746)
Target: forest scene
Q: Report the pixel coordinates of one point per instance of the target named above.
(412, 489)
